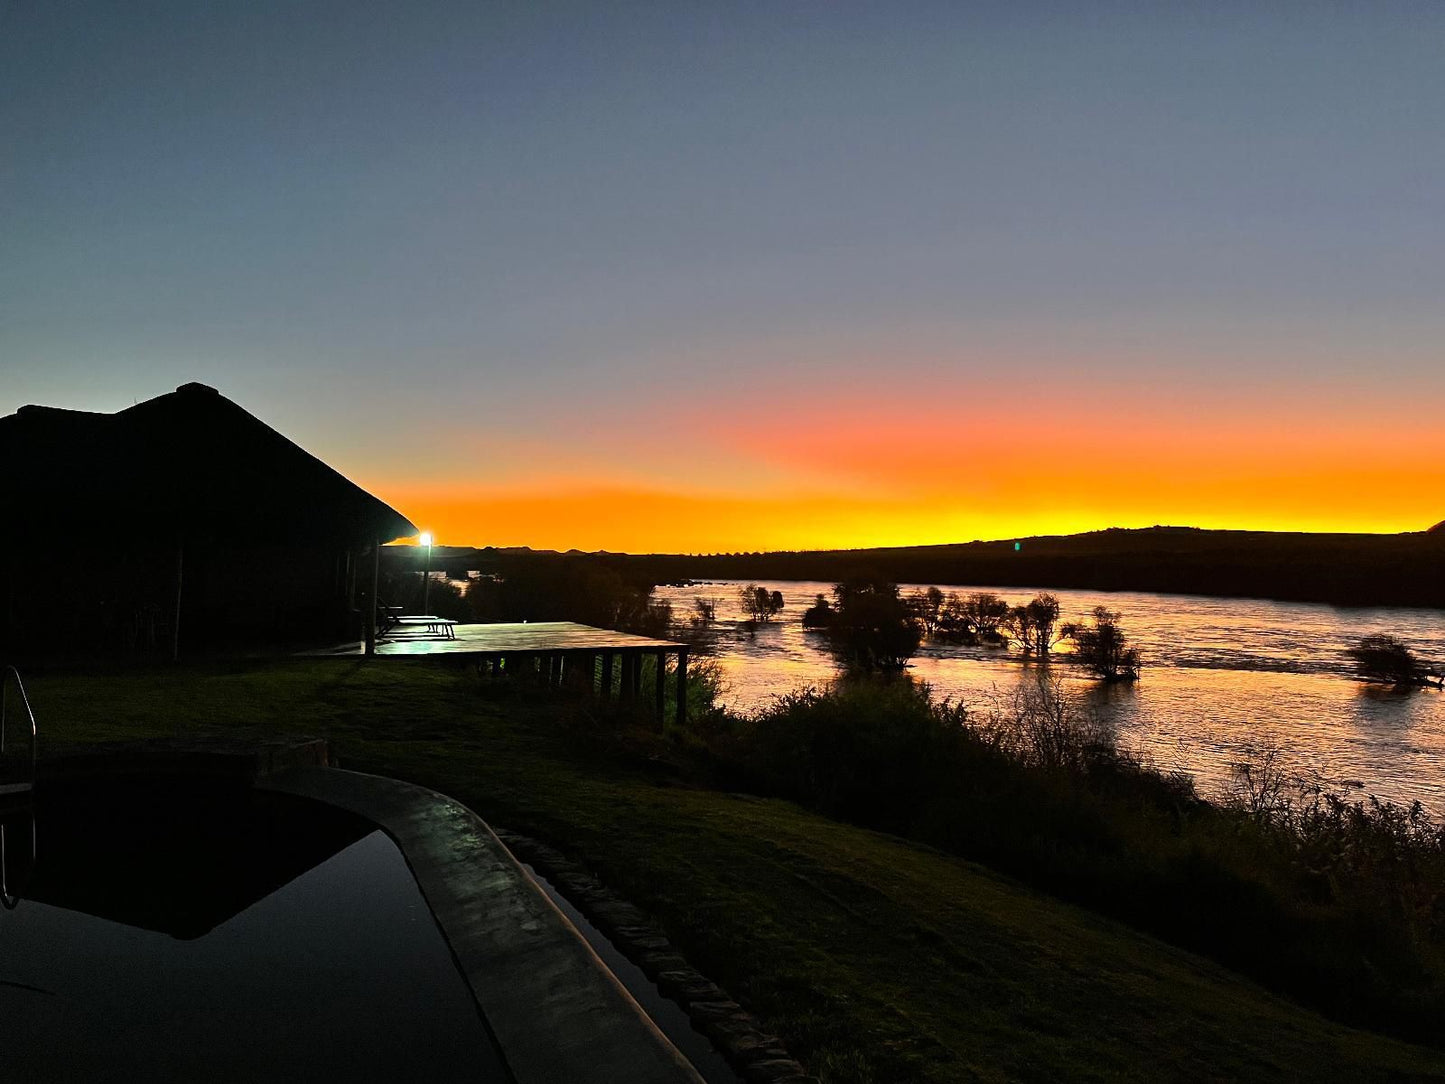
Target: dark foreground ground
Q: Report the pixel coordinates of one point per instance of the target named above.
(877, 960)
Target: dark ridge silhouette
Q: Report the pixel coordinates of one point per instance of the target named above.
(110, 512)
(1343, 569)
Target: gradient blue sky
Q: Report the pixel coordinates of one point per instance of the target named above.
(509, 265)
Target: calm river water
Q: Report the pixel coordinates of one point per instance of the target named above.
(1220, 675)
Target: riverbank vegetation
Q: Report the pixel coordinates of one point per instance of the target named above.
(1340, 904)
(881, 958)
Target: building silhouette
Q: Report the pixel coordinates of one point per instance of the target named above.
(180, 523)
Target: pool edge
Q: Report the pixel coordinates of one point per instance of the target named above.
(557, 1012)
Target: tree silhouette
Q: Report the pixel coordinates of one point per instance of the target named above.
(926, 604)
(1034, 626)
(872, 628)
(1386, 659)
(759, 603)
(1102, 647)
(819, 615)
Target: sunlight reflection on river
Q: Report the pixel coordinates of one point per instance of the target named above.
(1219, 675)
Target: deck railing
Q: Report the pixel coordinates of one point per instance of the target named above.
(10, 676)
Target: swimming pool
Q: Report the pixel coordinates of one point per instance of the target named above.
(205, 930)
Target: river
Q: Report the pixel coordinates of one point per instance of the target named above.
(1221, 676)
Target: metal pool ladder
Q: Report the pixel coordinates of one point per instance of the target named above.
(26, 785)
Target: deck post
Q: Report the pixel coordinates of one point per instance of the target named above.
(609, 659)
(636, 674)
(682, 687)
(371, 602)
(176, 624)
(629, 687)
(661, 686)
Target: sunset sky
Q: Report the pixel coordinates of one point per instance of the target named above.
(744, 276)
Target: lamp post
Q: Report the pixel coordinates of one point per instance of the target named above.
(426, 576)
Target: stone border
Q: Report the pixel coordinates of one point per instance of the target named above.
(761, 1058)
(555, 1010)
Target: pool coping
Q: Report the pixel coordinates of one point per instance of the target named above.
(556, 1011)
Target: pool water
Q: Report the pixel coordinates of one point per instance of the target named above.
(185, 933)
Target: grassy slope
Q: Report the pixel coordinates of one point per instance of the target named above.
(876, 959)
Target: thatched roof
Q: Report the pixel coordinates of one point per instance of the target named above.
(190, 464)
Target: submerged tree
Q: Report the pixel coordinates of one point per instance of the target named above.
(819, 615)
(1034, 626)
(926, 605)
(759, 603)
(1102, 647)
(1386, 659)
(985, 611)
(872, 628)
(972, 619)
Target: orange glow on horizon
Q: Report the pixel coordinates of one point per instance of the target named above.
(856, 473)
(639, 521)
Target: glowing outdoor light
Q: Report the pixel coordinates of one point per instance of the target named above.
(425, 539)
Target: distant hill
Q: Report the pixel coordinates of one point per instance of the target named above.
(1346, 569)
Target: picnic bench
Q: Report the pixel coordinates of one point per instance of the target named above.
(436, 626)
(391, 617)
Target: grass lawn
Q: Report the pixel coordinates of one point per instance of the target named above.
(874, 958)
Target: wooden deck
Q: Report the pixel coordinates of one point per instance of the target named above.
(557, 652)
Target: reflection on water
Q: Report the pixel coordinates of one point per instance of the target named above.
(184, 934)
(1220, 675)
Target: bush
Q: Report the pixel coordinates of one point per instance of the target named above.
(871, 627)
(1033, 626)
(866, 751)
(819, 615)
(759, 603)
(1387, 660)
(1102, 649)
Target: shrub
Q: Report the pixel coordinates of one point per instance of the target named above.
(871, 628)
(869, 751)
(1387, 660)
(759, 603)
(1033, 626)
(926, 605)
(1102, 649)
(819, 615)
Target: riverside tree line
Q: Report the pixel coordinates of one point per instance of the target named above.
(871, 626)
